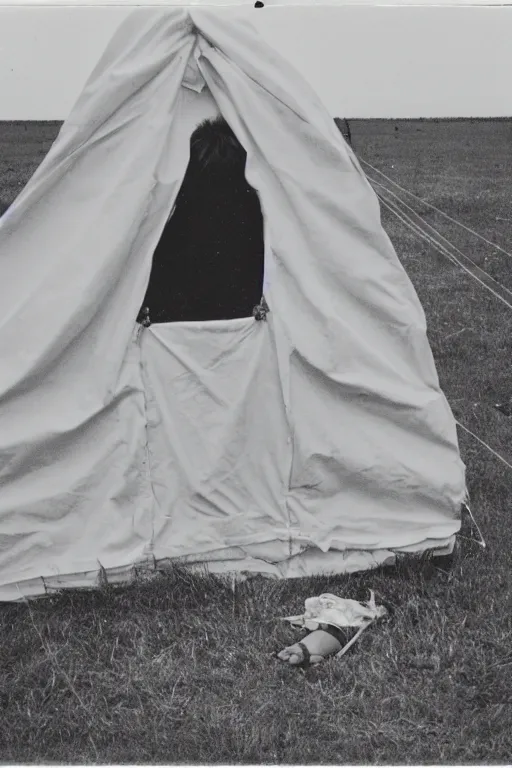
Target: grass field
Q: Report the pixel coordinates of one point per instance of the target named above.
(181, 669)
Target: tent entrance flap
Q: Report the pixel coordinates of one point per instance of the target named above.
(217, 436)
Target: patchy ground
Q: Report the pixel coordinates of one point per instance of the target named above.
(181, 669)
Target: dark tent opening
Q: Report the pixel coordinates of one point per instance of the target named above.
(209, 262)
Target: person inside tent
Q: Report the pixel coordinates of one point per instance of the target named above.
(208, 264)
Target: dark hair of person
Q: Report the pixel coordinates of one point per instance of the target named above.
(213, 145)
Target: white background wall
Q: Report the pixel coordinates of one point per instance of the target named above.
(365, 61)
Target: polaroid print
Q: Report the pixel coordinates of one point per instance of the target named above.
(255, 400)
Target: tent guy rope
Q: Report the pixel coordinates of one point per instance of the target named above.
(439, 234)
(486, 445)
(439, 247)
(438, 210)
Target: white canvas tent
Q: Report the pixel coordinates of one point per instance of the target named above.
(317, 441)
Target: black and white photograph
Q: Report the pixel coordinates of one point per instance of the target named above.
(255, 388)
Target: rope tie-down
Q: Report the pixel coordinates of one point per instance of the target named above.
(261, 311)
(143, 317)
